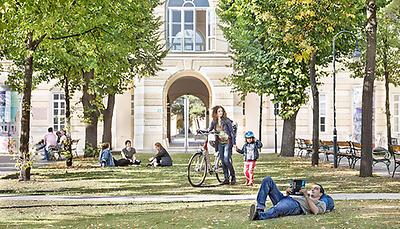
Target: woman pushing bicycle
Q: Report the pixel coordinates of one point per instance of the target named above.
(225, 141)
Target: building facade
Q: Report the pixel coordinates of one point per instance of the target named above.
(197, 63)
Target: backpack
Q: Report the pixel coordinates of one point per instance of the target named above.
(330, 204)
(234, 127)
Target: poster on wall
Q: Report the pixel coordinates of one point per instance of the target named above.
(357, 117)
(7, 111)
(2, 106)
(357, 113)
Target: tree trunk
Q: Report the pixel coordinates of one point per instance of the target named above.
(387, 100)
(67, 103)
(108, 115)
(91, 115)
(24, 158)
(288, 136)
(68, 112)
(368, 92)
(315, 96)
(25, 120)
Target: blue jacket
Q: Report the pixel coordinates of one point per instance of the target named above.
(250, 156)
(106, 157)
(228, 128)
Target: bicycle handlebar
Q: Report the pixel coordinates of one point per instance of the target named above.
(206, 132)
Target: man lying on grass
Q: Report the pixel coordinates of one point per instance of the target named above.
(315, 202)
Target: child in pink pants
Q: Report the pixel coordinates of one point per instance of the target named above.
(250, 154)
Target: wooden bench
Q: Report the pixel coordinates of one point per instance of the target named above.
(396, 157)
(378, 156)
(326, 147)
(382, 155)
(303, 146)
(355, 149)
(344, 151)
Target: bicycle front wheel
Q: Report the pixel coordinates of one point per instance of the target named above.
(197, 170)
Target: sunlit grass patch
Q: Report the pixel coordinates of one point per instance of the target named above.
(217, 214)
(87, 178)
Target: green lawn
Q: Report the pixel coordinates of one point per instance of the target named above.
(87, 178)
(230, 214)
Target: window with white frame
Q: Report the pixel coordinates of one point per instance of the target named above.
(322, 112)
(58, 111)
(396, 111)
(190, 26)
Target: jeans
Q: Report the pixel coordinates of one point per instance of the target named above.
(283, 205)
(225, 153)
(46, 154)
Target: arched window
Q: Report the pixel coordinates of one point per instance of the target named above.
(190, 26)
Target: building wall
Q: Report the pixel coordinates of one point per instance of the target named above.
(140, 113)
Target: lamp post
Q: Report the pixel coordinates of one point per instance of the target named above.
(276, 130)
(260, 121)
(356, 54)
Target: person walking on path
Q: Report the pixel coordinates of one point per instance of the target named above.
(250, 154)
(225, 140)
(315, 202)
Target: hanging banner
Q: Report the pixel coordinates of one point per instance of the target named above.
(357, 112)
(2, 106)
(7, 112)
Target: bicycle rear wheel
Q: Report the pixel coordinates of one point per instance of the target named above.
(219, 173)
(197, 169)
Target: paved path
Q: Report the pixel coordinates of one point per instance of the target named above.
(184, 198)
(7, 164)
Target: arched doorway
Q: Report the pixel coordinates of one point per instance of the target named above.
(197, 89)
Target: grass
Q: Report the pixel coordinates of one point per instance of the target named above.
(231, 214)
(87, 178)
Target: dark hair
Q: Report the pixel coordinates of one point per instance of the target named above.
(50, 129)
(215, 113)
(128, 141)
(159, 145)
(321, 189)
(105, 146)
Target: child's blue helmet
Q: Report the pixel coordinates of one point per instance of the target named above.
(249, 134)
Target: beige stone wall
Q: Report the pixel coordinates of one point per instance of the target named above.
(42, 114)
(151, 94)
(148, 124)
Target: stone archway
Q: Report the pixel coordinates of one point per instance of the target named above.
(185, 83)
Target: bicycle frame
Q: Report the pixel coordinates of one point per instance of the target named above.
(200, 163)
(206, 153)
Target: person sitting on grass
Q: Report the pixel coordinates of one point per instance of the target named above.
(106, 159)
(162, 157)
(128, 153)
(315, 202)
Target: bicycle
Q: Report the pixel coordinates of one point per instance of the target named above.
(200, 165)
